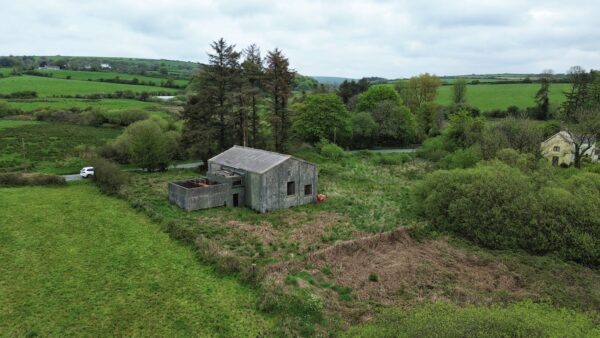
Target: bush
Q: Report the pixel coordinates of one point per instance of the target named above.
(149, 144)
(6, 110)
(501, 207)
(22, 179)
(126, 117)
(462, 158)
(332, 151)
(433, 149)
(108, 176)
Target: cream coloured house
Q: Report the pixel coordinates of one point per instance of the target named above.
(560, 149)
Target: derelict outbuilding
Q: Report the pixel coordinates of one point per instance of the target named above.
(271, 180)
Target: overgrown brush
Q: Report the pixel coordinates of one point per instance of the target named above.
(108, 176)
(23, 179)
(502, 207)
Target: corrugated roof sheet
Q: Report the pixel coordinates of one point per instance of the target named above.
(249, 159)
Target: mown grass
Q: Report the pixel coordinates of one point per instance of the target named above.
(58, 87)
(90, 75)
(77, 263)
(49, 147)
(523, 319)
(488, 97)
(9, 124)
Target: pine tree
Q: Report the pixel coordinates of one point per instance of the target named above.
(254, 72)
(278, 80)
(215, 86)
(221, 78)
(576, 97)
(542, 100)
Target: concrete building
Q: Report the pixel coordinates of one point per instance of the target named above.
(258, 179)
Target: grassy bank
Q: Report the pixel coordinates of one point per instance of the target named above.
(75, 262)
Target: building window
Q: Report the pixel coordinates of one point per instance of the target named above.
(238, 182)
(291, 188)
(556, 148)
(308, 189)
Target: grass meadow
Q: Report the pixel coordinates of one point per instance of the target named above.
(58, 87)
(488, 97)
(89, 75)
(75, 262)
(48, 147)
(60, 103)
(10, 124)
(5, 71)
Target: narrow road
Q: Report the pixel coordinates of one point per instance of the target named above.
(386, 151)
(77, 177)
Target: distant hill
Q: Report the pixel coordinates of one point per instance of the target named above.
(136, 66)
(331, 80)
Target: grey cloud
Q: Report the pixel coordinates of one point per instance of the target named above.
(345, 38)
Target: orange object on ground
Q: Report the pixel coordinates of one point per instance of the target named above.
(321, 197)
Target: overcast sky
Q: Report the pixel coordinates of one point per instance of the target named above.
(338, 38)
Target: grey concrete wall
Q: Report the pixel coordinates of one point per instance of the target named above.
(274, 185)
(200, 198)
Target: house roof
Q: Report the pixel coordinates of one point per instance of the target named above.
(249, 159)
(567, 137)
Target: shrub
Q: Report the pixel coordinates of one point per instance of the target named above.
(149, 145)
(373, 277)
(108, 176)
(462, 158)
(433, 149)
(524, 162)
(331, 150)
(22, 179)
(6, 110)
(126, 117)
(501, 207)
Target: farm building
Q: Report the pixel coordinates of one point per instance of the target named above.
(560, 148)
(241, 176)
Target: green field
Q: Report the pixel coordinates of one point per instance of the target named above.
(58, 87)
(48, 147)
(104, 104)
(489, 97)
(5, 71)
(89, 75)
(77, 263)
(9, 124)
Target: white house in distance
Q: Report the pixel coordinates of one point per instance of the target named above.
(47, 67)
(105, 66)
(560, 149)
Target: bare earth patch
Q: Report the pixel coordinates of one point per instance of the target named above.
(393, 269)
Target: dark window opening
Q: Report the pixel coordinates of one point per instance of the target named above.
(555, 160)
(291, 188)
(308, 189)
(238, 182)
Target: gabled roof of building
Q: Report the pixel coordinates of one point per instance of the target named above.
(249, 159)
(567, 137)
